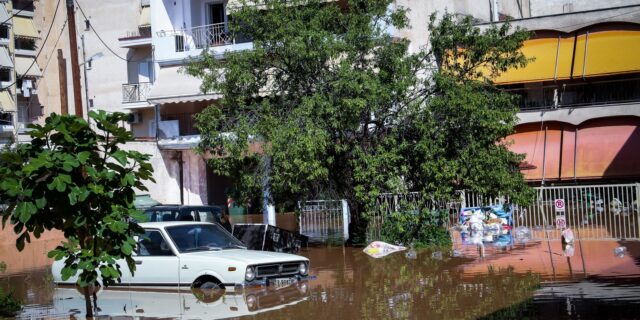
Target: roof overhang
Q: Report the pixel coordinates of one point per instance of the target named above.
(174, 86)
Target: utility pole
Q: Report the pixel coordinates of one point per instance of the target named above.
(62, 75)
(75, 66)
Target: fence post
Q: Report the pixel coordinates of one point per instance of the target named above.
(637, 208)
(346, 218)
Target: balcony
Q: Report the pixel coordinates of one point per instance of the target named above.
(140, 37)
(580, 94)
(135, 92)
(180, 44)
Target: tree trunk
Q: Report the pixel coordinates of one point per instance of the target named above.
(87, 302)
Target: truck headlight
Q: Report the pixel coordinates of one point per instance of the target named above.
(302, 268)
(249, 274)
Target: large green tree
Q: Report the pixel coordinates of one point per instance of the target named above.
(340, 108)
(78, 180)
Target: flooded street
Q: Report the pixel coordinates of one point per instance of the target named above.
(521, 281)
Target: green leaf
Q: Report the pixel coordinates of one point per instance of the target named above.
(84, 156)
(25, 210)
(126, 249)
(120, 156)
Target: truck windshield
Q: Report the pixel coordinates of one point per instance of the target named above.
(202, 237)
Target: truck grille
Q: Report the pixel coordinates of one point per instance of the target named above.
(270, 270)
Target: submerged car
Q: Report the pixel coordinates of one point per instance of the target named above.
(202, 255)
(175, 212)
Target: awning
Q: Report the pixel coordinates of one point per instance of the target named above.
(22, 67)
(607, 52)
(5, 59)
(4, 16)
(596, 51)
(174, 86)
(24, 27)
(145, 17)
(6, 102)
(552, 61)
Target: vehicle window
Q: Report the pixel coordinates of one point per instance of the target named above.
(202, 238)
(208, 216)
(187, 215)
(153, 244)
(161, 215)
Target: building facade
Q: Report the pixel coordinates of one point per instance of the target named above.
(133, 62)
(19, 71)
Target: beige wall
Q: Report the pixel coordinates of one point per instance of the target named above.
(112, 19)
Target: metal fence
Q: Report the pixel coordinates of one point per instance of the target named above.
(592, 211)
(324, 220)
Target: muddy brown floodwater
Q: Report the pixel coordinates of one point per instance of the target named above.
(522, 281)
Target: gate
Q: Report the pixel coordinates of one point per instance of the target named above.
(324, 220)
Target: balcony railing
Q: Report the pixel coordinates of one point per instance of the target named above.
(201, 37)
(135, 92)
(141, 33)
(573, 95)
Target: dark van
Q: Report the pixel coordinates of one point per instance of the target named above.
(213, 214)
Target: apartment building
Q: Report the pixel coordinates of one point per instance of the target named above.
(133, 62)
(19, 72)
(580, 97)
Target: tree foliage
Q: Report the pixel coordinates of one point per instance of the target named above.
(79, 181)
(343, 110)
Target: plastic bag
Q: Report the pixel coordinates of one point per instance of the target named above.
(523, 234)
(379, 249)
(567, 236)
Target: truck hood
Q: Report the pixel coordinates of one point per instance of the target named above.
(249, 257)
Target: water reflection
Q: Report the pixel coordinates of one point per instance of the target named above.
(536, 279)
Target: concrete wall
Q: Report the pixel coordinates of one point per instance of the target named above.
(549, 7)
(166, 189)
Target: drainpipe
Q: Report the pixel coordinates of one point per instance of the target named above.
(544, 156)
(181, 173)
(494, 11)
(268, 209)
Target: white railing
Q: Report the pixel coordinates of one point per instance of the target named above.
(324, 220)
(592, 211)
(200, 37)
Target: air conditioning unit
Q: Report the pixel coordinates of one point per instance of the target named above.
(135, 117)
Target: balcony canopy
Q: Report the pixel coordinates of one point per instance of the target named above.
(24, 67)
(24, 27)
(594, 51)
(5, 59)
(4, 16)
(6, 102)
(174, 86)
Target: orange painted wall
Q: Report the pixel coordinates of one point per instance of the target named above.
(604, 148)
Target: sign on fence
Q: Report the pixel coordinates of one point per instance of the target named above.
(561, 222)
(559, 205)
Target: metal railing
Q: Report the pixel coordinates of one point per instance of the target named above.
(201, 37)
(324, 220)
(571, 95)
(135, 92)
(142, 32)
(594, 212)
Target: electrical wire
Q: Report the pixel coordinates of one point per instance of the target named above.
(100, 38)
(55, 14)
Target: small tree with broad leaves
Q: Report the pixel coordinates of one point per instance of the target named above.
(77, 180)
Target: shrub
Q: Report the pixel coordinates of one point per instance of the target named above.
(9, 305)
(420, 228)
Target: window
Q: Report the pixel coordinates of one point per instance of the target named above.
(4, 32)
(152, 243)
(5, 75)
(25, 44)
